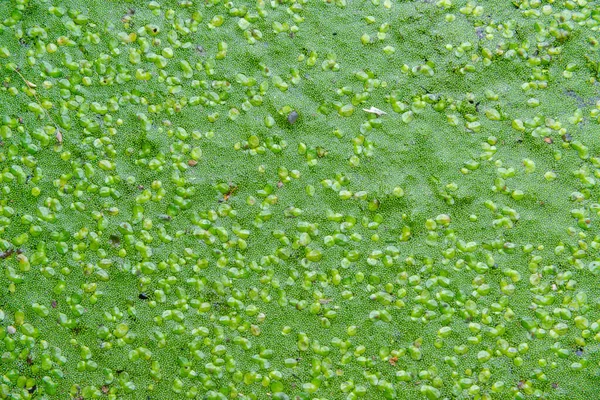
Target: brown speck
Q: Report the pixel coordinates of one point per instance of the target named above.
(232, 189)
(54, 304)
(279, 184)
(105, 389)
(192, 163)
(554, 385)
(393, 361)
(6, 254)
(548, 140)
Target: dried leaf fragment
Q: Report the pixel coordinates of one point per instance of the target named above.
(374, 110)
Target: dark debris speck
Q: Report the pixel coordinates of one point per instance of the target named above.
(292, 117)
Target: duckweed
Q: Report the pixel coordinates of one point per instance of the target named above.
(295, 199)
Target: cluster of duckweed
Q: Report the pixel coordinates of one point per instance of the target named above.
(294, 199)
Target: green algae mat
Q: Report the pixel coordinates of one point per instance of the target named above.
(299, 199)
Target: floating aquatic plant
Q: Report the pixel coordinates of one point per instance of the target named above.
(296, 199)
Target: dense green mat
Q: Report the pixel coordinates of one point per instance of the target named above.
(334, 199)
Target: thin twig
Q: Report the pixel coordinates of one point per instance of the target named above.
(32, 85)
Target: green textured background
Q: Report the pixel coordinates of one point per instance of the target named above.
(421, 157)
